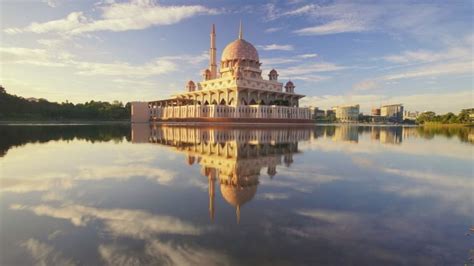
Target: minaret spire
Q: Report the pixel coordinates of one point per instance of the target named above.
(212, 54)
(240, 30)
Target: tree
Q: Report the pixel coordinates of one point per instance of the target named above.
(2, 89)
(426, 117)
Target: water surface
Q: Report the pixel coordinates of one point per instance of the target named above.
(331, 195)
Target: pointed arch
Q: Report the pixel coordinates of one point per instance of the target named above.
(252, 102)
(222, 102)
(206, 103)
(244, 102)
(231, 101)
(214, 102)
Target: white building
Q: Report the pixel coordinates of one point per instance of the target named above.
(236, 92)
(347, 113)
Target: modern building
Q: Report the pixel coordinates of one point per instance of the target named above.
(236, 92)
(393, 112)
(317, 113)
(347, 113)
(375, 112)
(410, 115)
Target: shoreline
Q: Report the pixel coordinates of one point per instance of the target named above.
(62, 123)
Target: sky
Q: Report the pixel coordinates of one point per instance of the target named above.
(418, 53)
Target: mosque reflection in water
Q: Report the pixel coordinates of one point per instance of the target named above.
(232, 158)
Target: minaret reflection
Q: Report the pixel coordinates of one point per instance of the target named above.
(234, 157)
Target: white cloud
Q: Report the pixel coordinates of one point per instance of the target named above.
(273, 196)
(311, 68)
(44, 254)
(161, 253)
(330, 216)
(277, 47)
(51, 3)
(440, 102)
(161, 176)
(29, 56)
(52, 57)
(365, 85)
(273, 29)
(119, 222)
(436, 70)
(134, 15)
(418, 19)
(333, 27)
(308, 55)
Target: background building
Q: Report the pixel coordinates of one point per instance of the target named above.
(407, 115)
(347, 113)
(393, 112)
(375, 112)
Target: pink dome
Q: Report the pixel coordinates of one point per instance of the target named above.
(240, 49)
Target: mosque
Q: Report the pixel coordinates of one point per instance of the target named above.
(230, 159)
(236, 92)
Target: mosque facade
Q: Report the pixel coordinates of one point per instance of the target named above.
(236, 92)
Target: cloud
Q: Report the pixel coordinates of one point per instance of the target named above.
(157, 67)
(161, 253)
(365, 85)
(311, 68)
(307, 56)
(440, 102)
(273, 29)
(19, 55)
(277, 47)
(44, 254)
(51, 57)
(51, 3)
(273, 196)
(329, 216)
(333, 27)
(161, 176)
(417, 19)
(119, 222)
(455, 68)
(134, 15)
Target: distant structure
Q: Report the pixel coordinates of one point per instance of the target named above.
(234, 93)
(375, 112)
(407, 115)
(392, 112)
(347, 113)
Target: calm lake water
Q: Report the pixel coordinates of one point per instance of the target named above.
(331, 195)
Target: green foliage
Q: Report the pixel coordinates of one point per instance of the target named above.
(449, 118)
(13, 107)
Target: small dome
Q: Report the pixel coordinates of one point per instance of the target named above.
(191, 83)
(238, 196)
(289, 83)
(273, 71)
(239, 49)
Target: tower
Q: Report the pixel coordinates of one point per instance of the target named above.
(212, 54)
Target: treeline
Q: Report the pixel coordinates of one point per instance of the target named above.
(450, 118)
(13, 136)
(13, 107)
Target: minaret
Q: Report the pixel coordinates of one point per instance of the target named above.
(212, 193)
(212, 54)
(240, 30)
